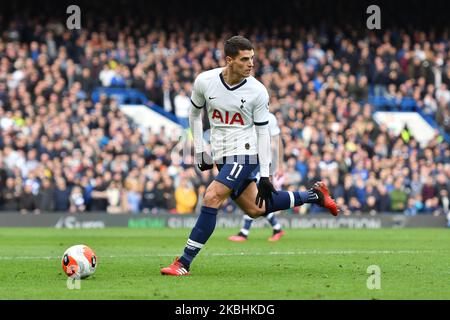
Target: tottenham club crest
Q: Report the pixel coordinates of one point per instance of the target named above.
(242, 103)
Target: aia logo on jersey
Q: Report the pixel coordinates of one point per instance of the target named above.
(235, 118)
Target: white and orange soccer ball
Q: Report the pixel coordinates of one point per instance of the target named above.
(79, 261)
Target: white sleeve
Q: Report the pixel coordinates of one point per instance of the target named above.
(261, 109)
(195, 121)
(261, 121)
(264, 154)
(195, 115)
(197, 96)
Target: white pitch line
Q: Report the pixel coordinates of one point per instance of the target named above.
(26, 258)
(221, 254)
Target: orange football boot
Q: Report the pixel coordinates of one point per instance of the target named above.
(325, 200)
(277, 236)
(175, 269)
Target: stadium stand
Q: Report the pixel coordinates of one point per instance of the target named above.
(66, 145)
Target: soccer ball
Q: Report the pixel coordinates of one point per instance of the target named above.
(79, 261)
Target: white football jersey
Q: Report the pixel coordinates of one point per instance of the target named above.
(232, 112)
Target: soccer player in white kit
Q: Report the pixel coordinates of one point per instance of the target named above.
(277, 179)
(238, 111)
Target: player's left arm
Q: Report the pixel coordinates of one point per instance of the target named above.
(261, 121)
(203, 160)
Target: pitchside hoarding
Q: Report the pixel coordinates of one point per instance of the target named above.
(104, 220)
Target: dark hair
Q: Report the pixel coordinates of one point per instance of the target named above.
(236, 43)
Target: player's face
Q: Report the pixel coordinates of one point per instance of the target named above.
(242, 64)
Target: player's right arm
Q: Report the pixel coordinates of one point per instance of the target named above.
(198, 101)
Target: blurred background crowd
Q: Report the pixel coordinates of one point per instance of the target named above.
(61, 150)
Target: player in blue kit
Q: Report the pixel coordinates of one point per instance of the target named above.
(238, 111)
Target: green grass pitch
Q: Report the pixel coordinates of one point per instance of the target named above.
(305, 264)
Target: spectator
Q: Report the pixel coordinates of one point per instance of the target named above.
(185, 197)
(415, 185)
(46, 196)
(398, 197)
(10, 195)
(61, 195)
(133, 198)
(411, 209)
(442, 183)
(160, 196)
(169, 194)
(99, 196)
(156, 94)
(418, 203)
(168, 98)
(349, 189)
(384, 199)
(336, 189)
(444, 201)
(431, 206)
(114, 195)
(107, 75)
(301, 165)
(293, 177)
(88, 83)
(182, 106)
(380, 78)
(428, 190)
(28, 201)
(371, 205)
(148, 198)
(133, 191)
(362, 91)
(354, 205)
(360, 190)
(76, 200)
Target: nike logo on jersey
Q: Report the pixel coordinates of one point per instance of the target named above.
(230, 179)
(210, 98)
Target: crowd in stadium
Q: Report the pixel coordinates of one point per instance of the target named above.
(62, 151)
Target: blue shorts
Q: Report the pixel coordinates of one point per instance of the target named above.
(237, 172)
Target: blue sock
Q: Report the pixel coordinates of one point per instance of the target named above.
(247, 225)
(309, 196)
(273, 221)
(201, 232)
(289, 199)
